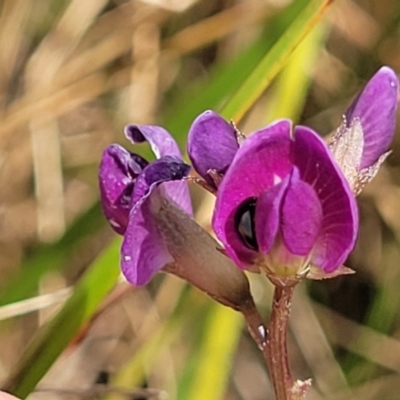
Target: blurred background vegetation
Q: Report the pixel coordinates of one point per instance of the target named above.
(72, 74)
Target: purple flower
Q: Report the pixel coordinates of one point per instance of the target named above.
(149, 204)
(361, 142)
(212, 144)
(284, 204)
(127, 183)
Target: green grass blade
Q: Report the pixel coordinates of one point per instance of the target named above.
(158, 340)
(214, 358)
(55, 336)
(273, 62)
(290, 94)
(227, 77)
(52, 257)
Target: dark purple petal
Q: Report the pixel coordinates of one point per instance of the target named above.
(376, 108)
(161, 142)
(339, 208)
(166, 168)
(301, 216)
(212, 144)
(268, 215)
(262, 161)
(143, 251)
(117, 174)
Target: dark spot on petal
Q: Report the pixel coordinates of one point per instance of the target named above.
(134, 134)
(126, 197)
(244, 223)
(130, 164)
(137, 164)
(166, 168)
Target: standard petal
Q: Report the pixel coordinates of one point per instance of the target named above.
(376, 108)
(212, 144)
(166, 168)
(340, 217)
(262, 161)
(161, 142)
(143, 251)
(117, 174)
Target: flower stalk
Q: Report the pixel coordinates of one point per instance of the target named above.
(275, 351)
(276, 347)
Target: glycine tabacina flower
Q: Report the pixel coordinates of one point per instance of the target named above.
(284, 204)
(285, 201)
(149, 204)
(126, 183)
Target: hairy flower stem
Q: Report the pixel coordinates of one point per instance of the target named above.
(276, 348)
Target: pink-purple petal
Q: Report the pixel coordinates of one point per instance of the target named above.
(212, 144)
(376, 107)
(262, 161)
(161, 142)
(301, 216)
(340, 215)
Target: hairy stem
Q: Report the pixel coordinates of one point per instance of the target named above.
(276, 348)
